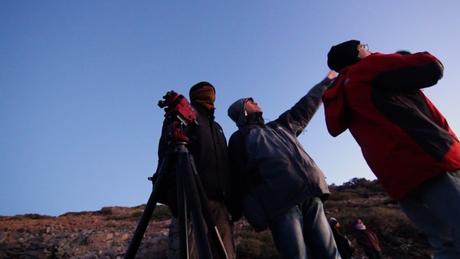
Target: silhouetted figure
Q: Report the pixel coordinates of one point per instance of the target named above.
(343, 243)
(368, 240)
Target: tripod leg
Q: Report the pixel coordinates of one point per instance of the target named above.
(184, 248)
(206, 213)
(193, 200)
(148, 212)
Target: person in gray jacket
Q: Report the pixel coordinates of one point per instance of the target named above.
(281, 186)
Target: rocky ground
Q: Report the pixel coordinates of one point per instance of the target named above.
(106, 233)
(102, 234)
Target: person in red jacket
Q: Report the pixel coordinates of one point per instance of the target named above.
(405, 140)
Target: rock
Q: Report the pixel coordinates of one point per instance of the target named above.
(109, 236)
(124, 237)
(3, 236)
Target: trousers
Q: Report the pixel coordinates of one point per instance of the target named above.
(223, 223)
(304, 228)
(434, 207)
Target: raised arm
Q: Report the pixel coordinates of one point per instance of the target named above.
(297, 118)
(410, 72)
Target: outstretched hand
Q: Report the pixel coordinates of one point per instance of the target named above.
(332, 74)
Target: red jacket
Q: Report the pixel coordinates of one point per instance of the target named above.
(403, 137)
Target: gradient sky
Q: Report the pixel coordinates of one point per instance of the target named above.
(79, 83)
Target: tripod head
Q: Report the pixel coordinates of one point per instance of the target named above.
(179, 115)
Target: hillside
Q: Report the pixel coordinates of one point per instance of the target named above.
(106, 233)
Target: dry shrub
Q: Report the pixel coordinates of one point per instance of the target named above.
(398, 236)
(161, 212)
(255, 245)
(343, 196)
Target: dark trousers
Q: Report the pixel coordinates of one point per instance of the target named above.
(301, 227)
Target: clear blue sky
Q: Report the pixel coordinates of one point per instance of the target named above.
(79, 82)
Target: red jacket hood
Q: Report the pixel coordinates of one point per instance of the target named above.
(335, 106)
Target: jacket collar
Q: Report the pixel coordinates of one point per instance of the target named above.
(202, 110)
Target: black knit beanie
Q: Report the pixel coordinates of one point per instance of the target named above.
(343, 55)
(199, 85)
(204, 94)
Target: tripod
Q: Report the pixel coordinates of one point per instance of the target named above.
(191, 201)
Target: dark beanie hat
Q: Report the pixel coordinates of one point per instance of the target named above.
(199, 85)
(343, 55)
(203, 93)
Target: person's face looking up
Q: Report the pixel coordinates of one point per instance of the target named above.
(363, 51)
(250, 106)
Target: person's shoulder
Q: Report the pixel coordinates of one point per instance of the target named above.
(274, 123)
(374, 63)
(379, 57)
(277, 125)
(217, 125)
(236, 134)
(373, 58)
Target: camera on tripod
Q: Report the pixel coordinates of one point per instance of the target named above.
(190, 198)
(179, 113)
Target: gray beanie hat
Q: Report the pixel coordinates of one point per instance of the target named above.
(236, 112)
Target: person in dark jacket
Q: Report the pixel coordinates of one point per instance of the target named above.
(405, 140)
(208, 147)
(368, 240)
(280, 183)
(343, 243)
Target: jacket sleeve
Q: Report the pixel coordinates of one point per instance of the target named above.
(167, 192)
(336, 110)
(238, 164)
(163, 143)
(409, 72)
(297, 118)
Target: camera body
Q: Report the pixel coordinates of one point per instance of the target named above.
(179, 115)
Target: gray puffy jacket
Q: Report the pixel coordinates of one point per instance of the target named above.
(270, 165)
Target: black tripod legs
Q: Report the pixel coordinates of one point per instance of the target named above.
(184, 246)
(185, 176)
(210, 222)
(147, 214)
(192, 206)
